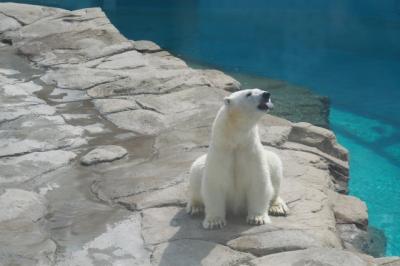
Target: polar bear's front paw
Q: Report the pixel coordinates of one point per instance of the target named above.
(214, 223)
(279, 208)
(258, 219)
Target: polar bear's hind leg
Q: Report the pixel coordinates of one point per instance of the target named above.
(278, 206)
(195, 205)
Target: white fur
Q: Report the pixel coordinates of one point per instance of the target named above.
(237, 174)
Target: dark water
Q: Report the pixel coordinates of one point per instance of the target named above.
(348, 50)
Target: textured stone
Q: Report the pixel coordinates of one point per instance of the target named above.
(8, 23)
(8, 72)
(349, 210)
(173, 223)
(146, 46)
(101, 154)
(78, 78)
(143, 122)
(372, 241)
(274, 130)
(32, 165)
(274, 242)
(106, 106)
(220, 80)
(32, 137)
(27, 14)
(23, 236)
(126, 60)
(65, 96)
(121, 244)
(318, 137)
(388, 261)
(196, 252)
(314, 256)
(163, 110)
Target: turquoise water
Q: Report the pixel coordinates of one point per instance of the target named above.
(348, 50)
(375, 170)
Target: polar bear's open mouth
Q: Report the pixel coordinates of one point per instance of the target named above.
(265, 105)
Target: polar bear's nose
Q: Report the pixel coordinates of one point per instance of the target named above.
(266, 95)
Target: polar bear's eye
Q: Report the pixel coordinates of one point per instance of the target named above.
(248, 94)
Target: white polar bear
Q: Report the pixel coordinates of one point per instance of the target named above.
(237, 174)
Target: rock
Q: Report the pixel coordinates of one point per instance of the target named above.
(29, 166)
(126, 60)
(133, 184)
(43, 133)
(372, 241)
(56, 42)
(164, 110)
(21, 88)
(11, 113)
(29, 124)
(8, 72)
(142, 122)
(349, 210)
(108, 106)
(72, 117)
(144, 46)
(313, 256)
(23, 234)
(8, 23)
(106, 153)
(78, 78)
(274, 242)
(220, 80)
(338, 169)
(64, 96)
(164, 60)
(388, 261)
(318, 137)
(175, 195)
(96, 128)
(274, 130)
(27, 14)
(21, 217)
(173, 223)
(196, 252)
(121, 244)
(18, 100)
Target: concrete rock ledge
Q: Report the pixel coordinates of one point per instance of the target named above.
(71, 83)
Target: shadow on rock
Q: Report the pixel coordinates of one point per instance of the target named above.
(179, 239)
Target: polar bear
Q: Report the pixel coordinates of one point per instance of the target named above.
(238, 174)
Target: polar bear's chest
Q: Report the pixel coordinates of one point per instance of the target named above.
(238, 188)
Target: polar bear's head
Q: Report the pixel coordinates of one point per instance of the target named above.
(252, 102)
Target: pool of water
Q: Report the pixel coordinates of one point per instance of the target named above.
(348, 50)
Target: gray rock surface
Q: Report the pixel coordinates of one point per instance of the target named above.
(274, 242)
(92, 87)
(23, 234)
(121, 244)
(106, 153)
(372, 241)
(388, 261)
(196, 252)
(314, 256)
(350, 210)
(145, 46)
(28, 166)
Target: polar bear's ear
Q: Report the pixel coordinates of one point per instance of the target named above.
(227, 101)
